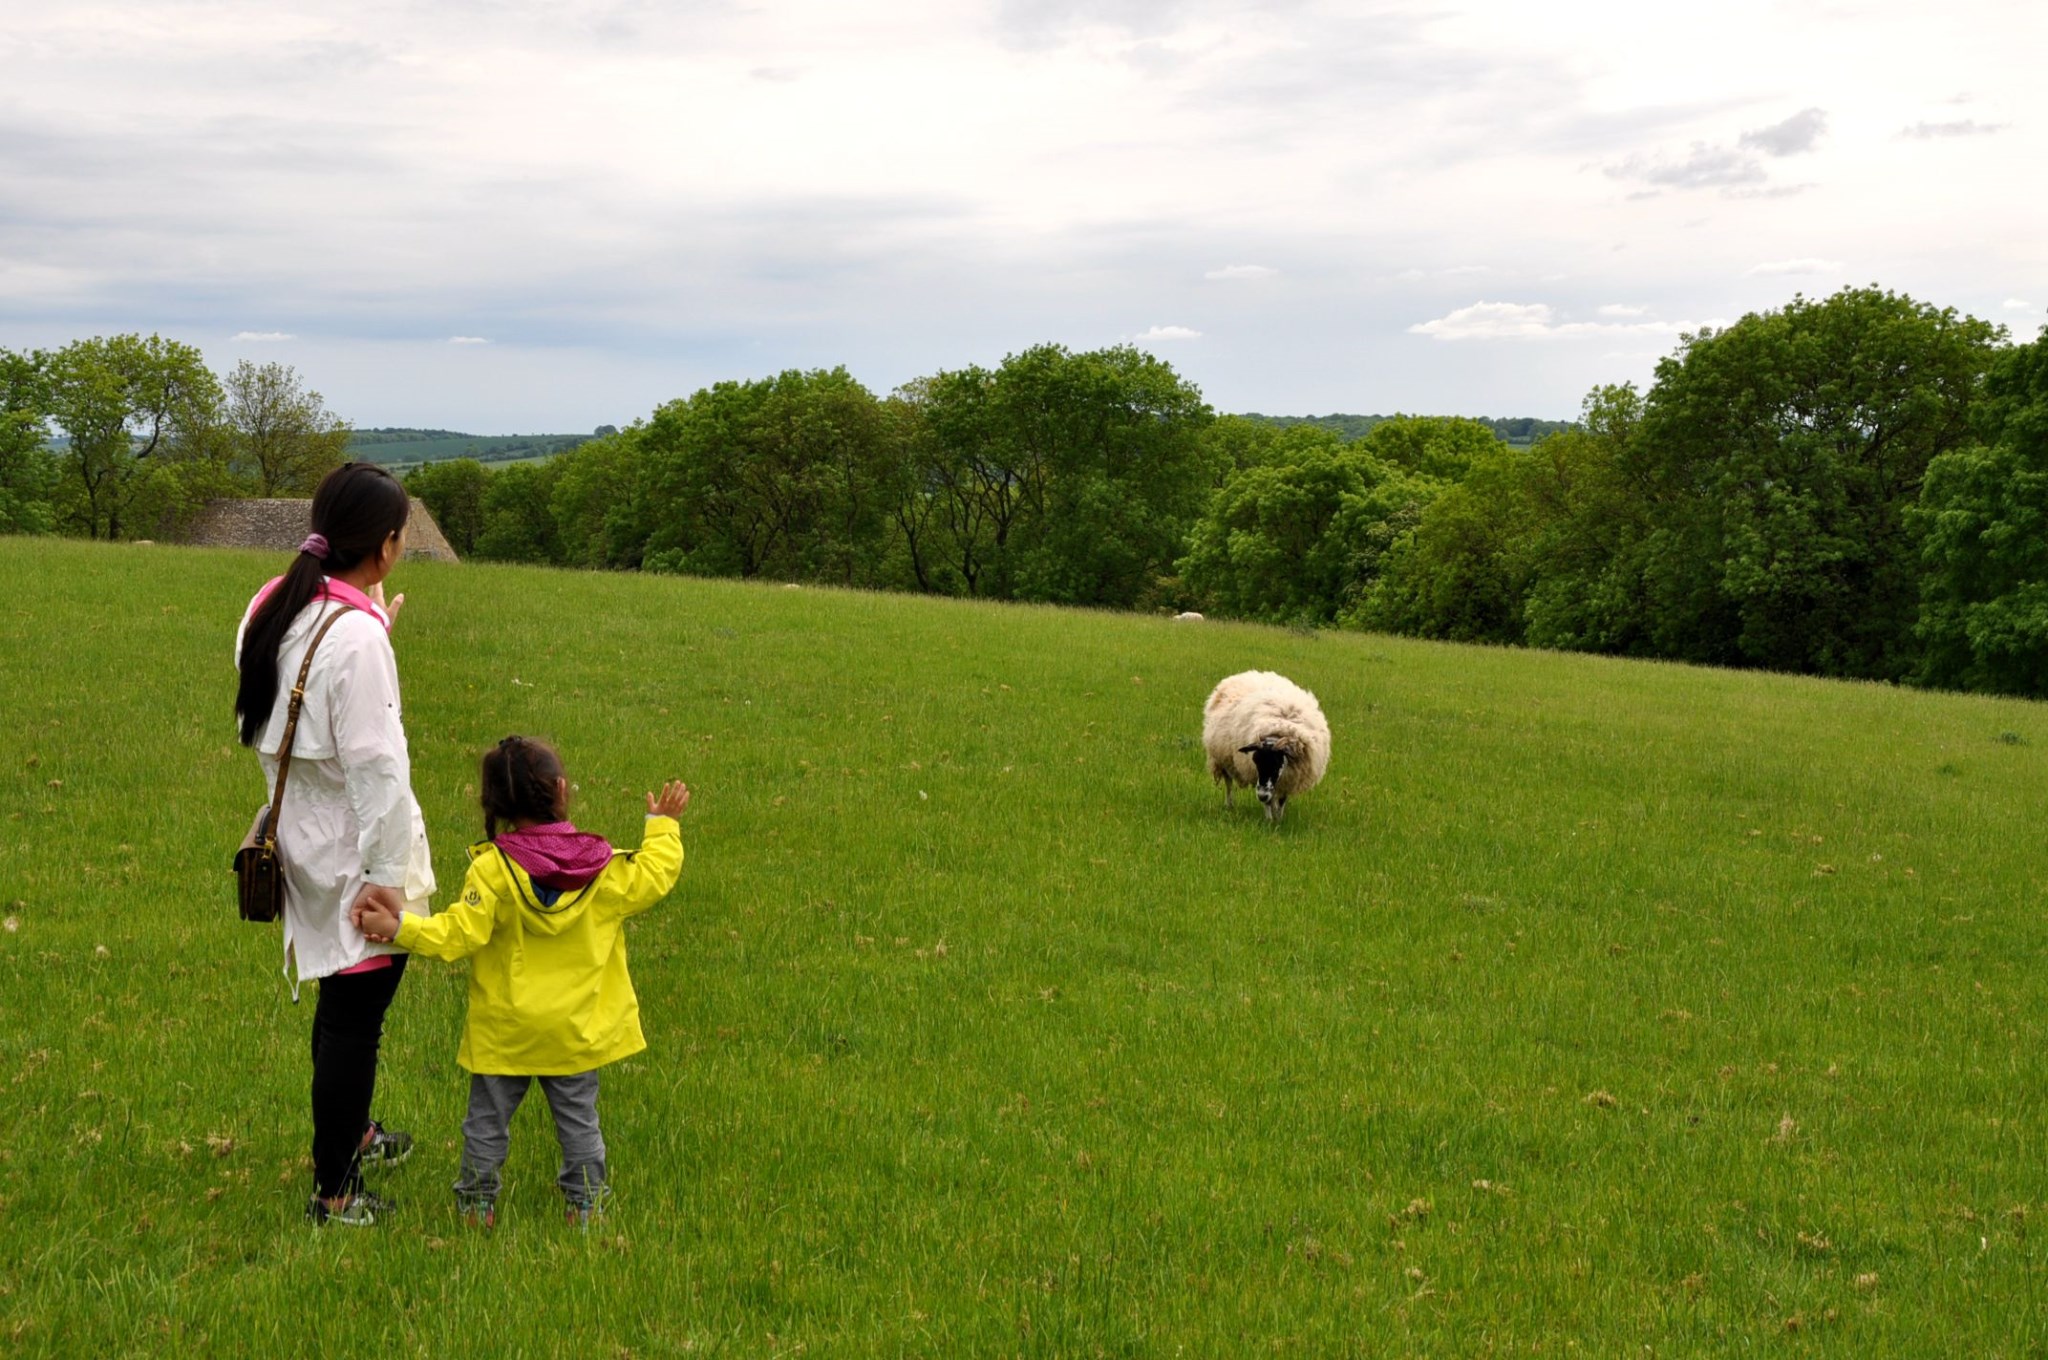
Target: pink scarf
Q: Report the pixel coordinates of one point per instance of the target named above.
(557, 855)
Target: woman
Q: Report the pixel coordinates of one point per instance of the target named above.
(349, 830)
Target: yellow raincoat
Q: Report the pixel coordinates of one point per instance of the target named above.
(548, 991)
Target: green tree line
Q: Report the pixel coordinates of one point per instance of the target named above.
(1852, 486)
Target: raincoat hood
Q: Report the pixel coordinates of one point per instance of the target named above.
(557, 855)
(502, 871)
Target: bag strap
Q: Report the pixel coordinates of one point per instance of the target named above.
(291, 726)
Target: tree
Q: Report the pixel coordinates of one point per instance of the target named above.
(1109, 440)
(143, 416)
(454, 490)
(601, 501)
(518, 515)
(28, 471)
(1442, 447)
(971, 497)
(790, 477)
(1780, 457)
(1586, 513)
(282, 436)
(1983, 525)
(1522, 548)
(1064, 477)
(1300, 541)
(1460, 574)
(922, 535)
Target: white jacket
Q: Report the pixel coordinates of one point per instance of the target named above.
(349, 816)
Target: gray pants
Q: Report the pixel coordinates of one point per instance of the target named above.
(486, 1134)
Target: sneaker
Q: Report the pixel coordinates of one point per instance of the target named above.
(384, 1147)
(477, 1211)
(582, 1215)
(357, 1211)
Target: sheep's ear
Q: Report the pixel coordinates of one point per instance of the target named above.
(1247, 750)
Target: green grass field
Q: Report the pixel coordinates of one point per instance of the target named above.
(1588, 1006)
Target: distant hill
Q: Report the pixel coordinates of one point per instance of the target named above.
(405, 446)
(1513, 429)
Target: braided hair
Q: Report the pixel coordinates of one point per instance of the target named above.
(520, 782)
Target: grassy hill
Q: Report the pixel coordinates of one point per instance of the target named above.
(411, 447)
(1587, 1003)
(1509, 429)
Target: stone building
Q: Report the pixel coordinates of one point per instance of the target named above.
(280, 525)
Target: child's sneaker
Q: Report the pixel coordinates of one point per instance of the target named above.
(384, 1147)
(477, 1211)
(357, 1211)
(581, 1214)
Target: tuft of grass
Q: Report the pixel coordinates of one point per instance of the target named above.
(978, 1026)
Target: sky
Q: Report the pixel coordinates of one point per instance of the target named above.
(508, 216)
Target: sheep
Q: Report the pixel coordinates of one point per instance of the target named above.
(1189, 617)
(1265, 731)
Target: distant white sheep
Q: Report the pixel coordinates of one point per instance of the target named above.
(1266, 732)
(1189, 617)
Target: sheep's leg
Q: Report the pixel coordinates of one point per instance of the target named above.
(1228, 789)
(1276, 809)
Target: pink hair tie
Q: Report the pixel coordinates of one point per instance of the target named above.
(315, 544)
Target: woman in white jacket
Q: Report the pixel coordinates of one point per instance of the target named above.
(349, 829)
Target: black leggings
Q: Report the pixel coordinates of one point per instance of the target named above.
(348, 1022)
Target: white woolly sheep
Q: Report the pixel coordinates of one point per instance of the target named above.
(1266, 732)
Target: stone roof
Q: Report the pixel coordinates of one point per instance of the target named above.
(280, 525)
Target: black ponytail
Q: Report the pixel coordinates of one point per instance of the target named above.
(357, 507)
(519, 782)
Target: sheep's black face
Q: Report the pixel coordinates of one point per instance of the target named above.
(1269, 761)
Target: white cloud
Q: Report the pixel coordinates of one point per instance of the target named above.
(1236, 272)
(1537, 321)
(2018, 305)
(1491, 321)
(467, 340)
(1456, 271)
(1796, 134)
(263, 335)
(1805, 264)
(1735, 170)
(1168, 333)
(1966, 127)
(1623, 309)
(1704, 167)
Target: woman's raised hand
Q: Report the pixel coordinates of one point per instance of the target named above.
(675, 796)
(396, 603)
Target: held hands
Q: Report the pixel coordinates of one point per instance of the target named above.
(376, 912)
(675, 796)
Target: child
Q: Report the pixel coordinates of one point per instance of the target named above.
(543, 911)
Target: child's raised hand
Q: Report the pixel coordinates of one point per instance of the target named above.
(675, 796)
